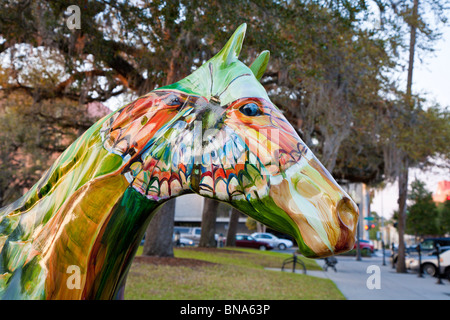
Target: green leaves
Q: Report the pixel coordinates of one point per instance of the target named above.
(422, 215)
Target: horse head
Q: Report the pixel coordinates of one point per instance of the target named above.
(217, 133)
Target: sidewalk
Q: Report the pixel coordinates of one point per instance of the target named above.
(352, 276)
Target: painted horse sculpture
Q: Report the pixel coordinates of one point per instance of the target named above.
(214, 133)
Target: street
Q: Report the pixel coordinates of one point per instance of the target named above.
(368, 279)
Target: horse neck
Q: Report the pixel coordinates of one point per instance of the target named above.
(84, 206)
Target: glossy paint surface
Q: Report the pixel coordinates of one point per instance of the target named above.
(214, 133)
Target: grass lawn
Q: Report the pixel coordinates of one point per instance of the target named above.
(234, 275)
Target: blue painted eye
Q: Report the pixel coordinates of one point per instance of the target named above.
(250, 110)
(173, 100)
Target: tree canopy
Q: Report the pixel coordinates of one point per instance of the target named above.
(326, 71)
(422, 214)
(330, 72)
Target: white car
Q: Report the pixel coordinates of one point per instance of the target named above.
(275, 242)
(192, 233)
(184, 242)
(445, 264)
(429, 261)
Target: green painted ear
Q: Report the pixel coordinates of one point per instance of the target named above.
(231, 50)
(259, 66)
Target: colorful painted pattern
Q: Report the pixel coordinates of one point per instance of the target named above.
(214, 133)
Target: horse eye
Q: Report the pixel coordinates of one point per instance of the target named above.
(250, 110)
(173, 101)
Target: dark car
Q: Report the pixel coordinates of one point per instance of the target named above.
(429, 244)
(247, 241)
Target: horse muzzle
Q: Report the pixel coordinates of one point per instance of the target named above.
(324, 215)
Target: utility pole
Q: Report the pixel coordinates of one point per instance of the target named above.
(382, 235)
(382, 230)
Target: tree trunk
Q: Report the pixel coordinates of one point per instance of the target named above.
(402, 196)
(260, 227)
(209, 215)
(412, 47)
(404, 163)
(232, 227)
(159, 235)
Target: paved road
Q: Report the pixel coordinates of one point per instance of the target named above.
(355, 278)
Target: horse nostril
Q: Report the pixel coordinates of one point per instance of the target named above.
(347, 212)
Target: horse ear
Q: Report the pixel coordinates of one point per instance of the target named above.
(259, 66)
(231, 50)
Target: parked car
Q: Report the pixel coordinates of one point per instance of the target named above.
(184, 242)
(274, 241)
(409, 251)
(247, 241)
(430, 244)
(445, 264)
(365, 246)
(426, 246)
(429, 261)
(192, 233)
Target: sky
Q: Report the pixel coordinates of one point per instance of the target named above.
(431, 76)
